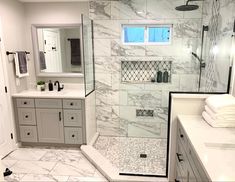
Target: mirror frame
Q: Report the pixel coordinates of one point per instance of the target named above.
(34, 28)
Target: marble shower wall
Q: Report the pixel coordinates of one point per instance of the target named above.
(219, 16)
(116, 102)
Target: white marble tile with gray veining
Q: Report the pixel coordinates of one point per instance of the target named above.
(100, 10)
(144, 99)
(102, 47)
(128, 9)
(107, 29)
(162, 9)
(118, 49)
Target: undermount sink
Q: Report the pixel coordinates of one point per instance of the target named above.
(223, 146)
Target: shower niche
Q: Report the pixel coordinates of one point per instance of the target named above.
(146, 71)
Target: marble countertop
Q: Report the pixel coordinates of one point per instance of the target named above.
(215, 147)
(66, 94)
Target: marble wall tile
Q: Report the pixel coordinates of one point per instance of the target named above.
(118, 49)
(144, 129)
(185, 85)
(100, 10)
(196, 13)
(144, 99)
(163, 9)
(108, 29)
(187, 28)
(103, 97)
(103, 65)
(128, 9)
(174, 49)
(103, 81)
(102, 47)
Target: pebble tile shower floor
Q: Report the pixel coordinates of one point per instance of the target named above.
(41, 164)
(124, 153)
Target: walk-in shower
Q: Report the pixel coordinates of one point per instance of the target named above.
(131, 105)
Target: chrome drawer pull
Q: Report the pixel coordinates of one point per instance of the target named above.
(178, 156)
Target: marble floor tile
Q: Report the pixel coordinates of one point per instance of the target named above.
(50, 164)
(8, 163)
(44, 178)
(81, 168)
(33, 167)
(14, 177)
(30, 154)
(62, 156)
(87, 179)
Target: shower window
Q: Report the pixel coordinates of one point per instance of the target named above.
(146, 34)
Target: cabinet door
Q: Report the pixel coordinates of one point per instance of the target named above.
(50, 125)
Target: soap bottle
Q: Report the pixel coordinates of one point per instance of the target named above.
(159, 76)
(50, 86)
(165, 76)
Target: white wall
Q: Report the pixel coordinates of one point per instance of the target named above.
(12, 15)
(52, 13)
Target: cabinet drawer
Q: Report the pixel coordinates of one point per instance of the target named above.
(73, 135)
(181, 159)
(28, 134)
(182, 137)
(72, 117)
(197, 167)
(48, 103)
(72, 104)
(25, 102)
(26, 116)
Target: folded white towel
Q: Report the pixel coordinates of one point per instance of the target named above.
(216, 124)
(17, 67)
(221, 103)
(226, 116)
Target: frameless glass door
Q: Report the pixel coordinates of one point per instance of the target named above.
(88, 54)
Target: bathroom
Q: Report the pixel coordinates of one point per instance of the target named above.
(130, 74)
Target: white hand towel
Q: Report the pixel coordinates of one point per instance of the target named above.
(17, 67)
(223, 102)
(226, 116)
(216, 124)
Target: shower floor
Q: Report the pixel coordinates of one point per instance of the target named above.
(124, 153)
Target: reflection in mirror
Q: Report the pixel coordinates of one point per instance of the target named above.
(60, 50)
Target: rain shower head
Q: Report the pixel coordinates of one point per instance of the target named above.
(188, 7)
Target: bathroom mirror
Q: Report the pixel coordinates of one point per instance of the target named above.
(58, 50)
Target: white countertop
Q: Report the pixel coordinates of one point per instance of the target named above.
(66, 94)
(215, 147)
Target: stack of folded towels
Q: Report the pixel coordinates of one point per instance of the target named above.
(220, 111)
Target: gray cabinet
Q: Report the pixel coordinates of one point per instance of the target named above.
(51, 120)
(188, 167)
(50, 125)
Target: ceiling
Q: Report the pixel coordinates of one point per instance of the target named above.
(36, 1)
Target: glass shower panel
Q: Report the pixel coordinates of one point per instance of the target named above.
(88, 54)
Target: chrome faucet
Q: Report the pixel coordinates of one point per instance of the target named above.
(59, 88)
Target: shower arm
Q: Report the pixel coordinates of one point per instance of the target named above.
(192, 1)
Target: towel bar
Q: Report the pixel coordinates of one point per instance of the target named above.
(8, 53)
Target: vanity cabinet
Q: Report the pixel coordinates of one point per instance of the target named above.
(188, 167)
(50, 125)
(58, 121)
